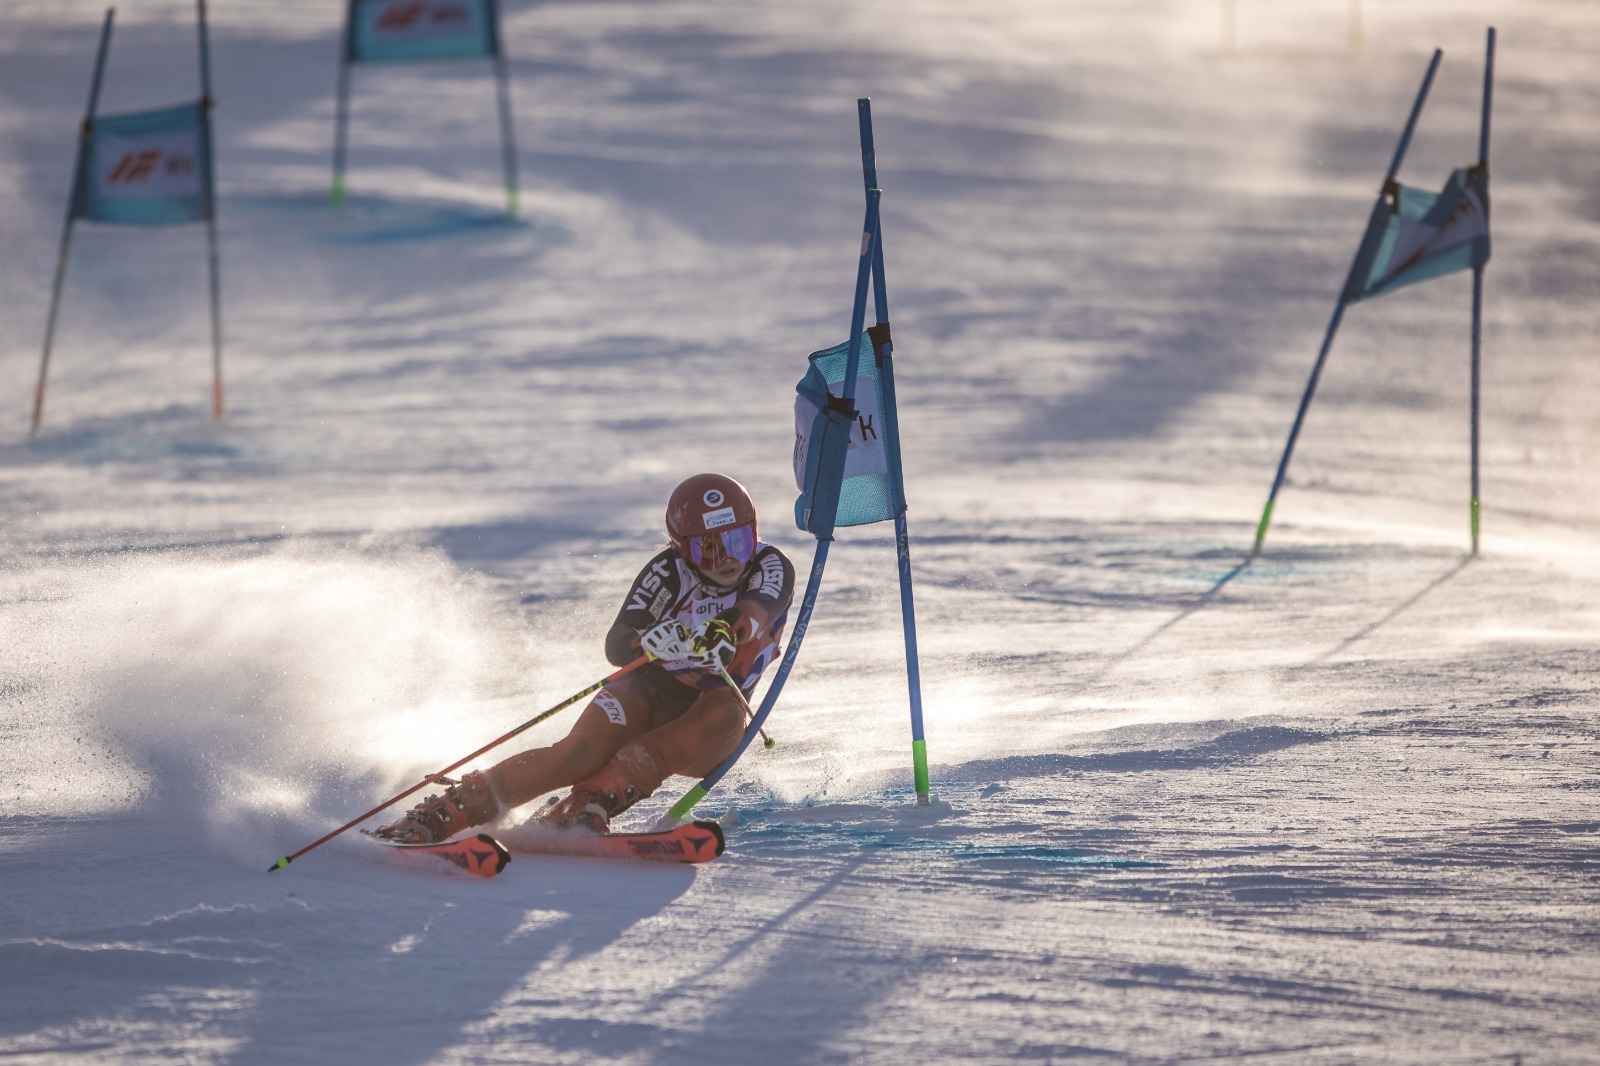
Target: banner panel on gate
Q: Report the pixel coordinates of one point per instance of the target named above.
(1415, 235)
(866, 493)
(148, 168)
(399, 30)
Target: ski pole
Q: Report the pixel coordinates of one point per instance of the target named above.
(434, 778)
(766, 741)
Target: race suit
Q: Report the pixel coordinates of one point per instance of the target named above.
(668, 587)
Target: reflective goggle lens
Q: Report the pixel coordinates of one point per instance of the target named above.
(707, 552)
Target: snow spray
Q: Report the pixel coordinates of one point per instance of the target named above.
(277, 688)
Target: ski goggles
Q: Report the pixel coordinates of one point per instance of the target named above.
(710, 550)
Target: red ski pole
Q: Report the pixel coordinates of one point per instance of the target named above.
(433, 778)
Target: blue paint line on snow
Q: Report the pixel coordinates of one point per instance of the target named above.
(811, 835)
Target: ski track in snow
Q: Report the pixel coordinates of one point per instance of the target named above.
(1335, 805)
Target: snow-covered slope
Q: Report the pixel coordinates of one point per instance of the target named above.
(1334, 806)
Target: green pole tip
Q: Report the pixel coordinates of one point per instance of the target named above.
(1261, 528)
(681, 809)
(769, 744)
(280, 864)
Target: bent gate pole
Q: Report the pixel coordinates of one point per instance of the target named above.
(79, 173)
(1338, 313)
(686, 804)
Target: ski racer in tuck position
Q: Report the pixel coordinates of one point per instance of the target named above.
(714, 600)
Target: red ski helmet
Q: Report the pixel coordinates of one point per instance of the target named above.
(711, 517)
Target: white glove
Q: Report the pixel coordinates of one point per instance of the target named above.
(667, 641)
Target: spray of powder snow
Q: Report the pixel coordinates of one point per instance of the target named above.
(249, 697)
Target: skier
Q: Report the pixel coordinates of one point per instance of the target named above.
(715, 600)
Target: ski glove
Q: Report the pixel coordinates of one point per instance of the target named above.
(713, 646)
(669, 641)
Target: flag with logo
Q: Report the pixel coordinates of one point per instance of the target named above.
(403, 30)
(867, 491)
(143, 168)
(1415, 235)
(148, 168)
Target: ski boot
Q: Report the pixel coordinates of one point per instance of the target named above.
(594, 801)
(469, 802)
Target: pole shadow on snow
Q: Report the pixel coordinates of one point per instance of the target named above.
(1150, 638)
(1394, 613)
(1227, 748)
(1211, 594)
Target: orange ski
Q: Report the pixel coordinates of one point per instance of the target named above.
(692, 842)
(482, 854)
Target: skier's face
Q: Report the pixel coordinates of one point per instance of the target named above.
(726, 573)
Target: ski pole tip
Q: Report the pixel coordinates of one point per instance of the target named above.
(280, 864)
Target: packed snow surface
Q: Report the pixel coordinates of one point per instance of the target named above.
(1338, 804)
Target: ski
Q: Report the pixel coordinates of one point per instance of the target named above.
(481, 854)
(691, 842)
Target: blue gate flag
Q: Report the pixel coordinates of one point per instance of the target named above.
(402, 30)
(147, 168)
(1415, 235)
(823, 426)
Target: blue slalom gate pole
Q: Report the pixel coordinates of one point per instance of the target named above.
(508, 142)
(79, 174)
(1299, 420)
(341, 118)
(1477, 290)
(883, 351)
(1338, 311)
(211, 215)
(1475, 505)
(858, 314)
